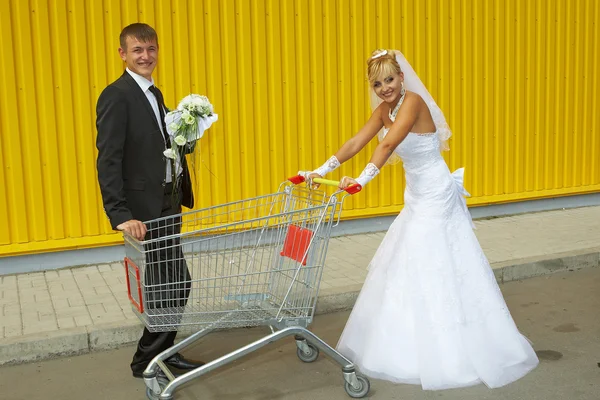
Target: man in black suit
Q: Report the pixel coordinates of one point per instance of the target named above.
(138, 183)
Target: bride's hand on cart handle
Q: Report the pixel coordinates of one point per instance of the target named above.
(302, 177)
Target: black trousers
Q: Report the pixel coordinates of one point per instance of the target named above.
(167, 280)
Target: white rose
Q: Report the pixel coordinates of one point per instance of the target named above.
(200, 100)
(173, 127)
(196, 105)
(185, 102)
(190, 107)
(207, 110)
(180, 140)
(182, 104)
(170, 153)
(188, 118)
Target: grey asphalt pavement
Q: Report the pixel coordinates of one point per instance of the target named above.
(559, 313)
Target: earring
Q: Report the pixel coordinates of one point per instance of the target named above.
(402, 90)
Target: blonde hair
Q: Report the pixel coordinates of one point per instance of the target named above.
(378, 64)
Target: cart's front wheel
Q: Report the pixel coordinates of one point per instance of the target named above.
(162, 382)
(363, 388)
(312, 355)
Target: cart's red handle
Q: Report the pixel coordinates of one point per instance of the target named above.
(352, 189)
(298, 179)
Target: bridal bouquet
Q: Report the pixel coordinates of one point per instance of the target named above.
(187, 124)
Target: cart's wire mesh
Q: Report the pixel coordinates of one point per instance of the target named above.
(244, 263)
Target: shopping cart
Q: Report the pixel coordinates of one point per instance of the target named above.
(254, 262)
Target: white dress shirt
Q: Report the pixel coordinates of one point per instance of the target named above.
(145, 85)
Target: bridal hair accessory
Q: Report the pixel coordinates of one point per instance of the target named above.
(380, 54)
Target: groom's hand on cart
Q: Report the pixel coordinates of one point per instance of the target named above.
(135, 228)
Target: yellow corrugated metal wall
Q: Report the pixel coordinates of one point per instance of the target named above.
(518, 81)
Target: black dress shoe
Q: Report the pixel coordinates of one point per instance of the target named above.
(160, 374)
(177, 361)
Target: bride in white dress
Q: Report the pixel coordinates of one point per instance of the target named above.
(430, 311)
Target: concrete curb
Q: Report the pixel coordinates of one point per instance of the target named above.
(538, 266)
(41, 346)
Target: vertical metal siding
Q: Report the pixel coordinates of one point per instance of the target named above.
(518, 81)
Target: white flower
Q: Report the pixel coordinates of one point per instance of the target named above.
(170, 153)
(185, 103)
(193, 116)
(173, 127)
(200, 100)
(188, 118)
(180, 140)
(173, 122)
(189, 107)
(196, 104)
(203, 105)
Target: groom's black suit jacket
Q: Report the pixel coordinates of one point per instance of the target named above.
(131, 164)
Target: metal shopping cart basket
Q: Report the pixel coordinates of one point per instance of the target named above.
(254, 262)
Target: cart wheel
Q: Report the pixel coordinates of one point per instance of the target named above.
(162, 382)
(362, 391)
(311, 356)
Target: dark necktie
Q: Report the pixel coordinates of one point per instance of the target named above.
(161, 111)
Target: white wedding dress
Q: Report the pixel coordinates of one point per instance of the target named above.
(430, 311)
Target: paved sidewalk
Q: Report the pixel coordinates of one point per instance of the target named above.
(76, 310)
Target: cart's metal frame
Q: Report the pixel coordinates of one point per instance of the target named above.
(255, 262)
